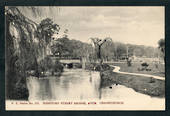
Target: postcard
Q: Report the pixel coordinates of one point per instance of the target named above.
(85, 58)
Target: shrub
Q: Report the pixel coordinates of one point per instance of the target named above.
(145, 64)
(70, 65)
(43, 66)
(20, 91)
(129, 62)
(47, 64)
(58, 67)
(103, 66)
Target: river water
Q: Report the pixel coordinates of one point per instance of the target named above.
(73, 84)
(79, 84)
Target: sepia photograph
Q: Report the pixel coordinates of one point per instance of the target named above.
(85, 58)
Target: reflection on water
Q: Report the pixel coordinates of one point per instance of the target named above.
(79, 84)
(73, 84)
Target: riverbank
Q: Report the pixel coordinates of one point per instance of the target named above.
(149, 86)
(146, 85)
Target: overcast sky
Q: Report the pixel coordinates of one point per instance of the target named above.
(135, 25)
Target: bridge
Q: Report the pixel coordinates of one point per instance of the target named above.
(71, 62)
(67, 61)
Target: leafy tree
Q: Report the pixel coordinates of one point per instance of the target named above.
(44, 32)
(139, 51)
(56, 48)
(161, 46)
(121, 50)
(107, 52)
(131, 50)
(64, 46)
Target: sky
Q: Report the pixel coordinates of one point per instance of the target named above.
(132, 24)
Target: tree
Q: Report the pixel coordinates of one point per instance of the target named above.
(107, 51)
(44, 32)
(121, 50)
(161, 46)
(64, 46)
(98, 44)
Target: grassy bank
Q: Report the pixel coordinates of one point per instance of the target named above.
(149, 86)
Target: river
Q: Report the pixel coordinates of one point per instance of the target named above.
(79, 84)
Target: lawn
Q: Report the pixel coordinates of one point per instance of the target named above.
(160, 71)
(149, 86)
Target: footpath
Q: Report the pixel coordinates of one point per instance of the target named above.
(117, 70)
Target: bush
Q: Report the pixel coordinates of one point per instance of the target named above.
(44, 66)
(48, 62)
(129, 62)
(97, 67)
(145, 64)
(70, 65)
(20, 91)
(58, 67)
(102, 67)
(47, 65)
